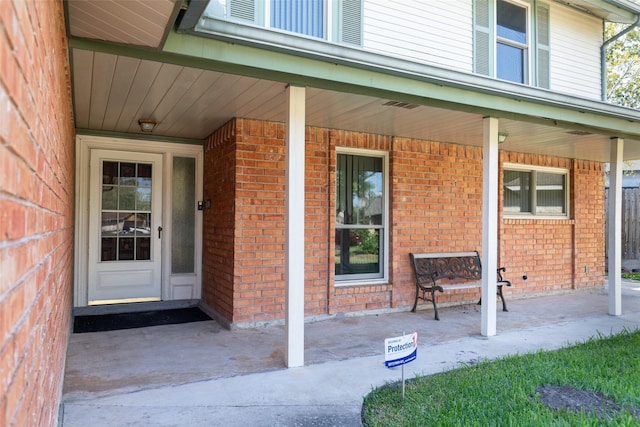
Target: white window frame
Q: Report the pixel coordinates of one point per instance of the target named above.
(533, 170)
(346, 280)
(327, 6)
(537, 68)
(526, 68)
(337, 14)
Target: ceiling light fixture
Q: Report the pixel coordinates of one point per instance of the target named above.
(147, 125)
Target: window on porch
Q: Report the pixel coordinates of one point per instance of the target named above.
(538, 192)
(360, 217)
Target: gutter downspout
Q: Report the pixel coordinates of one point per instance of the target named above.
(603, 56)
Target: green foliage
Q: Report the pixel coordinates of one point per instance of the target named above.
(631, 276)
(503, 392)
(623, 67)
(368, 242)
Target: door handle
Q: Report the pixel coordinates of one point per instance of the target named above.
(159, 231)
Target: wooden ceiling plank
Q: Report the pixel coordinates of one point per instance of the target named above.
(156, 92)
(82, 75)
(137, 23)
(103, 69)
(179, 113)
(177, 93)
(144, 78)
(213, 109)
(125, 72)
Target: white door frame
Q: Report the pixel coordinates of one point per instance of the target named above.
(173, 286)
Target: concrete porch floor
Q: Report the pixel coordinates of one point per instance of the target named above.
(106, 371)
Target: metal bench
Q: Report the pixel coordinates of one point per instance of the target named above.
(431, 268)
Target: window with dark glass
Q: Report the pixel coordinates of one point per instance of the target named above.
(126, 211)
(535, 192)
(337, 21)
(512, 42)
(360, 217)
(299, 16)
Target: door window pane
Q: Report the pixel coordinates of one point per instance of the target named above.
(109, 197)
(125, 250)
(126, 197)
(143, 248)
(143, 198)
(127, 174)
(144, 175)
(109, 249)
(126, 211)
(183, 215)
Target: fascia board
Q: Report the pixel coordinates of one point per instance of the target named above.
(619, 11)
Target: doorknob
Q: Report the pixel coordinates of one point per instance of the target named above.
(159, 231)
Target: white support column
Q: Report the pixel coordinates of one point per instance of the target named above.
(489, 226)
(294, 264)
(615, 227)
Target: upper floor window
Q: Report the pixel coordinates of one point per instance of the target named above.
(299, 16)
(535, 191)
(511, 41)
(338, 21)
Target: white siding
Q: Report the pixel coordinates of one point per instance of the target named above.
(440, 33)
(434, 32)
(575, 52)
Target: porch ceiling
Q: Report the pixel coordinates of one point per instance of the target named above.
(140, 23)
(113, 91)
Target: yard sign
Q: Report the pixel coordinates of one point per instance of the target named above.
(400, 350)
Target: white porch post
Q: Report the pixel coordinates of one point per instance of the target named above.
(489, 226)
(615, 227)
(294, 264)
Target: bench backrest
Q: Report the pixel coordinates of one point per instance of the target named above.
(451, 265)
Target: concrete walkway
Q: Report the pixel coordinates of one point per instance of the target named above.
(200, 375)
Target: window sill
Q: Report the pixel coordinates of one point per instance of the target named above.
(362, 282)
(531, 219)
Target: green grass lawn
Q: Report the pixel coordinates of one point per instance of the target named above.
(503, 392)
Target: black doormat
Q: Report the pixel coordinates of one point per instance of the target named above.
(142, 319)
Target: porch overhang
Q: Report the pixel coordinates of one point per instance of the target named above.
(536, 120)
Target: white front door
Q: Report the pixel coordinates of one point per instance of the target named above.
(125, 227)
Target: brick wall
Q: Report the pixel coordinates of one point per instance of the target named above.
(244, 242)
(36, 210)
(558, 255)
(435, 206)
(219, 221)
(361, 297)
(318, 220)
(588, 211)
